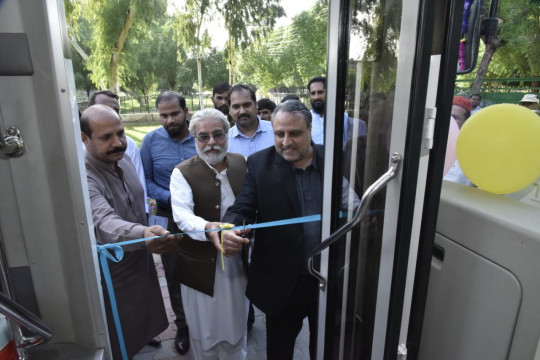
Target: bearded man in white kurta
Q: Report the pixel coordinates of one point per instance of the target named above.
(202, 189)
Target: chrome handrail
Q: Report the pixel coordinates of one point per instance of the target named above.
(27, 320)
(355, 220)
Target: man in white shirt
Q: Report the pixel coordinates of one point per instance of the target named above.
(250, 133)
(202, 189)
(317, 96)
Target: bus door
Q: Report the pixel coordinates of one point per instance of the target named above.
(388, 65)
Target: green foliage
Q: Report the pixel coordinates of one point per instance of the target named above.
(247, 21)
(379, 23)
(519, 57)
(291, 55)
(521, 28)
(159, 54)
(82, 75)
(107, 19)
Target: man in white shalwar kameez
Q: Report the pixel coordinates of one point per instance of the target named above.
(202, 189)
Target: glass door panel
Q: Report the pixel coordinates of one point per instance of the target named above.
(372, 91)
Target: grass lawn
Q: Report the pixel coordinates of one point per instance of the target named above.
(137, 131)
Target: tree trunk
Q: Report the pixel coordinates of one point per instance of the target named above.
(117, 51)
(199, 77)
(230, 64)
(492, 44)
(482, 69)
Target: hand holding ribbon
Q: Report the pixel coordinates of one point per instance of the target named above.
(161, 240)
(232, 239)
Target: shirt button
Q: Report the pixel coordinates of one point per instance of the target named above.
(217, 206)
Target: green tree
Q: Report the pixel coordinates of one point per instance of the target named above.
(142, 64)
(81, 74)
(190, 20)
(111, 22)
(79, 56)
(215, 68)
(508, 53)
(270, 63)
(379, 23)
(169, 51)
(247, 21)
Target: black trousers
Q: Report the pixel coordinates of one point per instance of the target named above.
(169, 261)
(282, 330)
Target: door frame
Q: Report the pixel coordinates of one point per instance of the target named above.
(411, 91)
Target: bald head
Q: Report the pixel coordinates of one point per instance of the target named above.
(94, 112)
(102, 132)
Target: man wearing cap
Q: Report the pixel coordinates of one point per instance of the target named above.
(461, 110)
(530, 101)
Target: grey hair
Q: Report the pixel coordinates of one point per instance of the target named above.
(208, 113)
(296, 107)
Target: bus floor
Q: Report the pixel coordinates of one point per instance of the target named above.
(256, 337)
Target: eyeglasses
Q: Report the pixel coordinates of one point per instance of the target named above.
(206, 138)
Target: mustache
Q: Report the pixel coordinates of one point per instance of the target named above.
(117, 150)
(212, 147)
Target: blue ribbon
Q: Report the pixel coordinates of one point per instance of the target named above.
(119, 254)
(104, 255)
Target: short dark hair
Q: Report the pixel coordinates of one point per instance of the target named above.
(295, 107)
(240, 87)
(92, 98)
(220, 87)
(480, 96)
(171, 96)
(290, 97)
(84, 121)
(265, 103)
(316, 79)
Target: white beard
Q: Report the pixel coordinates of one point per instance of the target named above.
(212, 158)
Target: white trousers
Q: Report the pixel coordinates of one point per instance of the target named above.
(221, 351)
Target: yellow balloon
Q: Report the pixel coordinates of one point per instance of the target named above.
(498, 148)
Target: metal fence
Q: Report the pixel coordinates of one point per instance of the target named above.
(147, 104)
(502, 90)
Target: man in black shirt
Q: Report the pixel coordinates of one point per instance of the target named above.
(283, 181)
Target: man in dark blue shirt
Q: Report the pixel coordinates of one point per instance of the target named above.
(161, 150)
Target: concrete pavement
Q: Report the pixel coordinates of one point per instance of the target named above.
(256, 337)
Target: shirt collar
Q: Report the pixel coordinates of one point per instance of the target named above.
(314, 113)
(165, 133)
(314, 161)
(238, 132)
(101, 164)
(213, 168)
